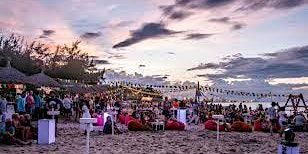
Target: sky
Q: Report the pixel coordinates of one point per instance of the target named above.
(227, 43)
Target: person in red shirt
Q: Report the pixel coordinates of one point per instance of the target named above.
(30, 103)
(176, 104)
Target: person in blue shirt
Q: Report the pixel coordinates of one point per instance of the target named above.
(3, 109)
(37, 105)
(21, 104)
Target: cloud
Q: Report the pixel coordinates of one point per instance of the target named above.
(101, 62)
(46, 33)
(190, 6)
(147, 31)
(117, 56)
(141, 65)
(197, 36)
(275, 4)
(123, 23)
(238, 26)
(226, 20)
(91, 35)
(288, 63)
(220, 20)
(179, 15)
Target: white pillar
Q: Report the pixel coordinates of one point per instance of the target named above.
(88, 122)
(88, 139)
(112, 124)
(217, 129)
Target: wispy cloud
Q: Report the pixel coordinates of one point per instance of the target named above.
(238, 26)
(90, 35)
(289, 63)
(101, 61)
(147, 31)
(46, 33)
(197, 36)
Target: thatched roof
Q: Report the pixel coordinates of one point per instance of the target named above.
(85, 89)
(99, 88)
(11, 75)
(77, 89)
(41, 79)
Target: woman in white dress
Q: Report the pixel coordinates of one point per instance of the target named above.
(283, 119)
(86, 114)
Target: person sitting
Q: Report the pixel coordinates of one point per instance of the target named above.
(20, 130)
(8, 133)
(108, 127)
(146, 121)
(299, 121)
(262, 124)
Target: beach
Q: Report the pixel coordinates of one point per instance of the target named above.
(194, 140)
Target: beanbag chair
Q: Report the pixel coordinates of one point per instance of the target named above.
(212, 125)
(122, 119)
(135, 125)
(128, 118)
(240, 126)
(175, 125)
(257, 125)
(100, 120)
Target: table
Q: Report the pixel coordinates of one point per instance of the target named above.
(181, 116)
(218, 117)
(88, 121)
(46, 131)
(158, 123)
(53, 113)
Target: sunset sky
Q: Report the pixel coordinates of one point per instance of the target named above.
(187, 40)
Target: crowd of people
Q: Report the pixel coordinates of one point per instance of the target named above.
(35, 105)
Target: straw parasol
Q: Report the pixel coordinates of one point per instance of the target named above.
(99, 88)
(77, 89)
(9, 74)
(41, 79)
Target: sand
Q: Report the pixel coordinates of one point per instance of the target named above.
(195, 140)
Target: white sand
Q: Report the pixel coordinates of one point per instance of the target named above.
(194, 140)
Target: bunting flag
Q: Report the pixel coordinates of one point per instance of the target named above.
(174, 88)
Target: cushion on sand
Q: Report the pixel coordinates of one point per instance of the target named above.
(174, 125)
(240, 126)
(135, 125)
(212, 125)
(122, 119)
(128, 118)
(257, 125)
(100, 120)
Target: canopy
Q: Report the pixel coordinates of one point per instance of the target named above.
(41, 79)
(11, 75)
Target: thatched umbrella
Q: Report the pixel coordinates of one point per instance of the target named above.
(41, 79)
(99, 88)
(77, 89)
(9, 74)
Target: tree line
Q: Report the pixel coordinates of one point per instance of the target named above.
(62, 61)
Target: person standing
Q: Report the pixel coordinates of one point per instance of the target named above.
(299, 121)
(283, 120)
(21, 103)
(195, 113)
(53, 103)
(67, 105)
(271, 113)
(37, 104)
(30, 103)
(3, 110)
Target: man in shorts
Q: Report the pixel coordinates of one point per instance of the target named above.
(271, 113)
